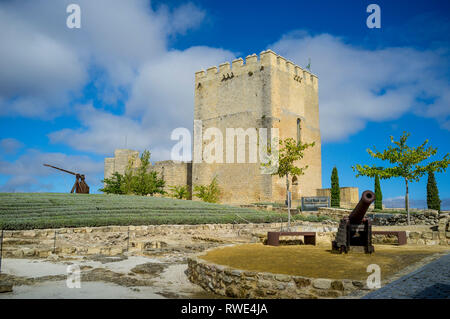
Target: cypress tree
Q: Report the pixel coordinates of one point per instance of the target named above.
(433, 201)
(378, 194)
(335, 191)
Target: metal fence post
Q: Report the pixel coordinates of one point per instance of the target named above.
(1, 250)
(128, 240)
(54, 243)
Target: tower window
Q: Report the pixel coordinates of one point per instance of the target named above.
(298, 130)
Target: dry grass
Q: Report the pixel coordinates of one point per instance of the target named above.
(319, 262)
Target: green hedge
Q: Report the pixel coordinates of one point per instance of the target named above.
(51, 210)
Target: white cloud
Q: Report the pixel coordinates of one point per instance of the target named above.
(185, 17)
(27, 173)
(37, 71)
(10, 145)
(358, 85)
(102, 132)
(44, 63)
(164, 88)
(124, 46)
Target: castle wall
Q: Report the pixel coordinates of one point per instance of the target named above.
(174, 173)
(264, 93)
(295, 97)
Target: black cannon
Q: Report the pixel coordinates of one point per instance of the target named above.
(355, 231)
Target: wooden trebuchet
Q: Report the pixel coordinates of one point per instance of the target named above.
(80, 186)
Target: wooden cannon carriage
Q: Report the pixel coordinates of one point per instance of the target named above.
(355, 231)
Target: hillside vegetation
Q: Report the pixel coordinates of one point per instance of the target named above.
(52, 210)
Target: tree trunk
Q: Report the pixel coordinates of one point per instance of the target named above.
(288, 202)
(407, 201)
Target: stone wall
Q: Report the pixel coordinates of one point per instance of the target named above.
(174, 173)
(335, 213)
(237, 283)
(115, 240)
(425, 217)
(349, 196)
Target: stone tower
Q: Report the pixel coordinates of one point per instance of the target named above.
(122, 158)
(269, 92)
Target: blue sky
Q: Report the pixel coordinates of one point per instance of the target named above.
(70, 96)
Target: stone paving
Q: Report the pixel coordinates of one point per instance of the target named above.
(432, 281)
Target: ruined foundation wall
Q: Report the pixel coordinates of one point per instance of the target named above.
(236, 283)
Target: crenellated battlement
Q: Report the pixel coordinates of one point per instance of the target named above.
(266, 60)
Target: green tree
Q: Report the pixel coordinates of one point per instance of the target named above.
(208, 193)
(137, 181)
(179, 192)
(113, 185)
(378, 194)
(128, 179)
(407, 160)
(335, 189)
(289, 153)
(433, 200)
(145, 182)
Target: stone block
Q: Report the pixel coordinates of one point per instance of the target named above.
(337, 285)
(5, 287)
(93, 250)
(322, 283)
(29, 252)
(18, 253)
(283, 278)
(302, 282)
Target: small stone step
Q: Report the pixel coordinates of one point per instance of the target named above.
(5, 287)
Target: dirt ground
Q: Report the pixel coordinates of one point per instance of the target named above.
(101, 277)
(318, 261)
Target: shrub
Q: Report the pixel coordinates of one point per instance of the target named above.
(179, 192)
(113, 185)
(208, 193)
(44, 210)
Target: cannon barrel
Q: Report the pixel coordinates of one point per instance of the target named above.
(357, 215)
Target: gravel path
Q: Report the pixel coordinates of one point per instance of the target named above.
(432, 281)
